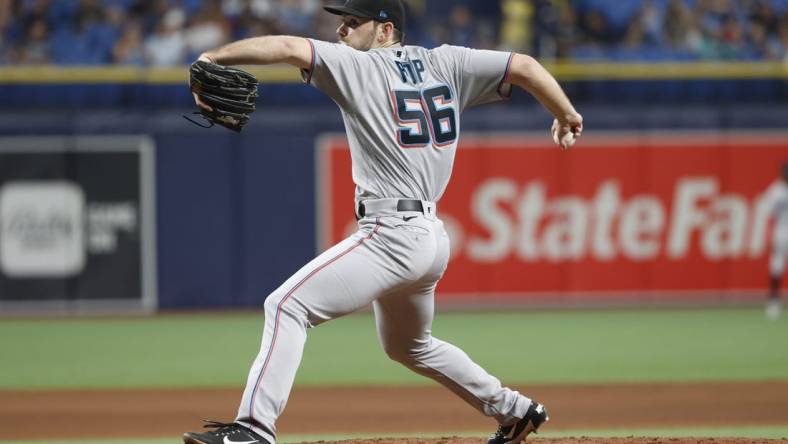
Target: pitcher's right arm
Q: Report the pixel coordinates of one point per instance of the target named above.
(530, 75)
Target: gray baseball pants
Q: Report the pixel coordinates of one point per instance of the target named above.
(393, 261)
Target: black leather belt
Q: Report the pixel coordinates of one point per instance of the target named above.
(402, 205)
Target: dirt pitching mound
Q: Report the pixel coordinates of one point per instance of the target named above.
(579, 440)
(398, 411)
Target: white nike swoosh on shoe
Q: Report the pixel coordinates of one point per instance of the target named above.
(229, 441)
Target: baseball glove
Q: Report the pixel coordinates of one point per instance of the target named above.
(230, 92)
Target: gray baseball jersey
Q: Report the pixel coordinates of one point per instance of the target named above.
(401, 107)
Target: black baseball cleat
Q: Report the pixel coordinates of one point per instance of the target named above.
(534, 417)
(224, 433)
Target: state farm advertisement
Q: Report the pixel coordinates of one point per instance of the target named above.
(639, 215)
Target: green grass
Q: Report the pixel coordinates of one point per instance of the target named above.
(773, 432)
(519, 347)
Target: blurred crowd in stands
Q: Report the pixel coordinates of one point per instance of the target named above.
(174, 32)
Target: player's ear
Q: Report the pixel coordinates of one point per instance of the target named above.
(385, 32)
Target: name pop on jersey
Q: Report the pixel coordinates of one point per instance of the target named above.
(411, 72)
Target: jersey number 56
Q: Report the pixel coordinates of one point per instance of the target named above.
(425, 116)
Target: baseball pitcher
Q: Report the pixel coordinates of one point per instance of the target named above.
(401, 107)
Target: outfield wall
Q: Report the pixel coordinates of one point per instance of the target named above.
(236, 214)
(624, 216)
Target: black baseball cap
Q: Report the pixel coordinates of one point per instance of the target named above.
(379, 10)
